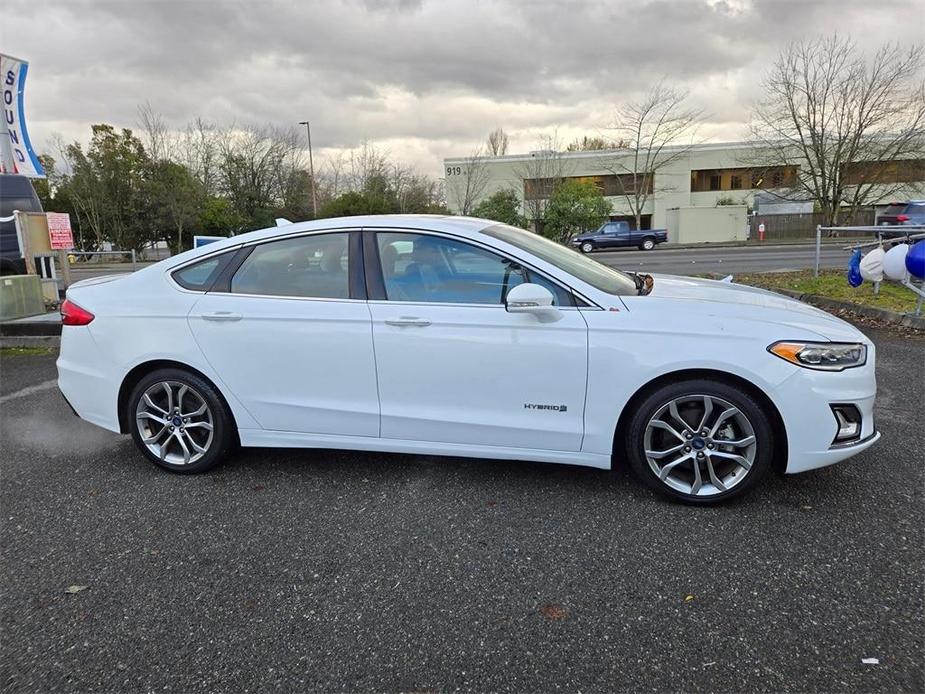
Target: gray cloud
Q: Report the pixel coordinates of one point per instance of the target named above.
(429, 78)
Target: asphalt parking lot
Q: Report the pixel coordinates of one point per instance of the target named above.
(330, 570)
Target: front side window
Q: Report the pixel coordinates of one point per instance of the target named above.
(307, 266)
(424, 268)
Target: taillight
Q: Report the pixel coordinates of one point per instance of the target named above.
(72, 314)
(902, 218)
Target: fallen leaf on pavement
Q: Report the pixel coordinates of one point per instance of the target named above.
(554, 612)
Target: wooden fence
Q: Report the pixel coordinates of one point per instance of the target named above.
(800, 225)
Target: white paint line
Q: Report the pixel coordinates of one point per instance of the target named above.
(37, 388)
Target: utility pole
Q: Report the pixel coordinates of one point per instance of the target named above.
(311, 167)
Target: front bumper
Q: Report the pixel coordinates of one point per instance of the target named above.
(804, 401)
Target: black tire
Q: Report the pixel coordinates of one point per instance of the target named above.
(654, 402)
(223, 435)
(586, 247)
(647, 244)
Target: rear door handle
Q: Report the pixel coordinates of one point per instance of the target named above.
(222, 316)
(408, 321)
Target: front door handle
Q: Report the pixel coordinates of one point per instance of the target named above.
(408, 321)
(222, 316)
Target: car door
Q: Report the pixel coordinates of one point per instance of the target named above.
(453, 365)
(622, 235)
(609, 236)
(289, 334)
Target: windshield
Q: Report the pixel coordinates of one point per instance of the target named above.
(599, 276)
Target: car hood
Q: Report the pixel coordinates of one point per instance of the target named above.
(751, 303)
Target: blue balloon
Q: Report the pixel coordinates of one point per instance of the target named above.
(854, 269)
(915, 260)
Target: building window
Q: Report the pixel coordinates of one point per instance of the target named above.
(900, 171)
(610, 185)
(711, 180)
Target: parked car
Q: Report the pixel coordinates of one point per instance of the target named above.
(619, 235)
(463, 337)
(909, 213)
(16, 193)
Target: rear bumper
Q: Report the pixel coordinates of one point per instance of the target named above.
(87, 385)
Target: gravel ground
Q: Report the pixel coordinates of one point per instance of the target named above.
(331, 570)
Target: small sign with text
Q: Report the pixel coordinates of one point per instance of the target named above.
(60, 235)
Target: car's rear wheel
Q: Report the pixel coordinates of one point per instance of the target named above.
(587, 247)
(647, 244)
(700, 441)
(179, 421)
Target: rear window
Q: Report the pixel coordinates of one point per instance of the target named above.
(200, 276)
(894, 210)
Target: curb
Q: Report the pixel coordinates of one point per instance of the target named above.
(46, 341)
(907, 320)
(30, 329)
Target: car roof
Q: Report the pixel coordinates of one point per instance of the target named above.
(465, 226)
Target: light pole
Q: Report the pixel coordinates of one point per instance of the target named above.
(311, 167)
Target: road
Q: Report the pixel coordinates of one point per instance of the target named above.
(720, 259)
(664, 259)
(337, 571)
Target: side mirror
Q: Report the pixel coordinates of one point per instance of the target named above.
(532, 298)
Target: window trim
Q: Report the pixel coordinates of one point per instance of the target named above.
(202, 259)
(375, 282)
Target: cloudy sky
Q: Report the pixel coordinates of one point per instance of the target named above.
(424, 79)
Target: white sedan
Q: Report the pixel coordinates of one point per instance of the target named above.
(463, 337)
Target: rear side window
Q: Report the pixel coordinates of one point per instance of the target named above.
(307, 266)
(199, 277)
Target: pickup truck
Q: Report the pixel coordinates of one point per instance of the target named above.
(617, 235)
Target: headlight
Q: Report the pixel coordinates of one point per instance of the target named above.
(823, 356)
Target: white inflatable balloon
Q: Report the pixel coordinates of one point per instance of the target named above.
(872, 265)
(894, 262)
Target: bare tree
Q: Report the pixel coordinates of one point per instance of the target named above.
(367, 166)
(256, 166)
(466, 182)
(843, 120)
(497, 142)
(156, 135)
(657, 131)
(539, 176)
(197, 148)
(592, 143)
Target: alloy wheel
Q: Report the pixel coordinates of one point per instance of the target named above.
(587, 247)
(175, 422)
(700, 445)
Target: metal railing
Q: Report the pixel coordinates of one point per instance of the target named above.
(123, 253)
(908, 232)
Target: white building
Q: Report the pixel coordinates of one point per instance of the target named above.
(706, 176)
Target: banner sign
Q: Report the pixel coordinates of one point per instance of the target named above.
(16, 155)
(59, 230)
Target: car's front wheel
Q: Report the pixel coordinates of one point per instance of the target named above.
(180, 421)
(700, 441)
(587, 247)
